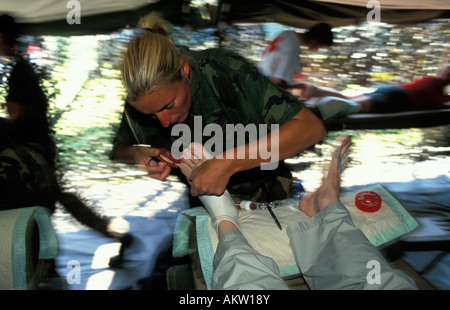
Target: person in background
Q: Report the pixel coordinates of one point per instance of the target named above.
(168, 85)
(25, 131)
(28, 171)
(280, 60)
(428, 92)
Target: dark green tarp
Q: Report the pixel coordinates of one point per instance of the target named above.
(49, 16)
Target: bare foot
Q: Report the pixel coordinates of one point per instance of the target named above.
(192, 157)
(328, 191)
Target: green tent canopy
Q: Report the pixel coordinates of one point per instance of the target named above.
(50, 17)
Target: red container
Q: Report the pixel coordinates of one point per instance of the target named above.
(368, 201)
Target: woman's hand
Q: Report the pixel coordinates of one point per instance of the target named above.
(146, 158)
(206, 174)
(210, 178)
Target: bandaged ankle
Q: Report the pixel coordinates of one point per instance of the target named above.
(220, 208)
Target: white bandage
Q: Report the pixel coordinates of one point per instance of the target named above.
(220, 208)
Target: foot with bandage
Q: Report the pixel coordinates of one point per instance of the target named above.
(222, 210)
(328, 192)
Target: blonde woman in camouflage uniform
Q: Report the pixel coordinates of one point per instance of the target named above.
(168, 85)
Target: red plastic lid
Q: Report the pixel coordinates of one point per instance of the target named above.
(368, 201)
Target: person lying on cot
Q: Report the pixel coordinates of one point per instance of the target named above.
(169, 85)
(425, 93)
(331, 252)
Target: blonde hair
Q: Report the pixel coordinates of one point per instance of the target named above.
(150, 60)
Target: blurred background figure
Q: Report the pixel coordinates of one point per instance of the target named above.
(280, 61)
(28, 155)
(428, 92)
(27, 151)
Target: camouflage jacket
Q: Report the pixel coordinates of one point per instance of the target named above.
(226, 89)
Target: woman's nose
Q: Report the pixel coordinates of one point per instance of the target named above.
(164, 118)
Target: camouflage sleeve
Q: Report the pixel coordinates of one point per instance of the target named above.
(260, 100)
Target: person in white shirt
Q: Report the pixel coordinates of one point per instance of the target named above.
(280, 61)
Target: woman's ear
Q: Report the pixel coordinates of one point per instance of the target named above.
(186, 68)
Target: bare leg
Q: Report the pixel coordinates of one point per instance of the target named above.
(327, 91)
(364, 101)
(225, 226)
(306, 91)
(329, 190)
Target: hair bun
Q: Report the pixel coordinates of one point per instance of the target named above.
(153, 23)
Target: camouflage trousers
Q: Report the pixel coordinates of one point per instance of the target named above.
(26, 178)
